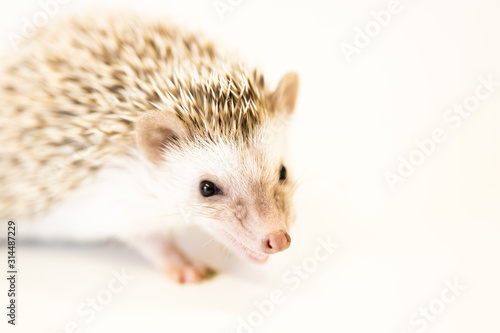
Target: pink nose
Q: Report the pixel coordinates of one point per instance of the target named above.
(276, 242)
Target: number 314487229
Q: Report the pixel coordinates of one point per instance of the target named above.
(11, 245)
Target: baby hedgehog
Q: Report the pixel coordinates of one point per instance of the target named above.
(114, 127)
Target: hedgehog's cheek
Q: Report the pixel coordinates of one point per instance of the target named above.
(155, 130)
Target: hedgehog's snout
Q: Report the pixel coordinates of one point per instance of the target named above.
(276, 242)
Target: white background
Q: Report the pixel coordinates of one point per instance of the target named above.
(352, 123)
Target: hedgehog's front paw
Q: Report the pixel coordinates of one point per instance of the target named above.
(189, 273)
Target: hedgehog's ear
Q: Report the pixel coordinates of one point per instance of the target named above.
(284, 97)
(155, 130)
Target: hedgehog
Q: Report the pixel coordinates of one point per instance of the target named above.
(125, 128)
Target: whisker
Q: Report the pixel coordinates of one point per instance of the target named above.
(209, 241)
(202, 206)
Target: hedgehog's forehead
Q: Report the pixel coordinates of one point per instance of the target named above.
(245, 160)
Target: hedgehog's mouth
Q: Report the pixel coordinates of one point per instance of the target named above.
(254, 256)
(244, 250)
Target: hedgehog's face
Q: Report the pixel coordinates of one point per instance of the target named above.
(243, 195)
(240, 190)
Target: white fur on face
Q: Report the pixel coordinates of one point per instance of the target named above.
(254, 202)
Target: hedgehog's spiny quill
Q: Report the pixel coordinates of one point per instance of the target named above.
(70, 99)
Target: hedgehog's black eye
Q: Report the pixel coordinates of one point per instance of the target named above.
(207, 189)
(282, 173)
